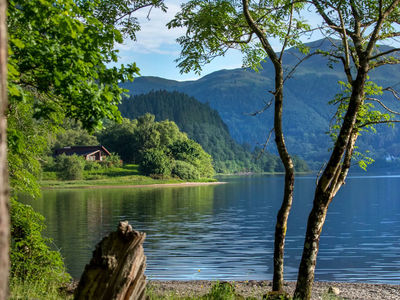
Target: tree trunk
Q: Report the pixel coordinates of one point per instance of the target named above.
(283, 214)
(116, 271)
(328, 185)
(4, 190)
(281, 221)
(315, 222)
(280, 232)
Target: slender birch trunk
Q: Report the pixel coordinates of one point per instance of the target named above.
(282, 217)
(283, 213)
(329, 184)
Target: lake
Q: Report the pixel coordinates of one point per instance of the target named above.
(226, 231)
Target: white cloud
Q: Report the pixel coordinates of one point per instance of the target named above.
(154, 36)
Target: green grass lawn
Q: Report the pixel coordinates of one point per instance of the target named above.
(120, 176)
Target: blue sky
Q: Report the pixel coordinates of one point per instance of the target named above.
(156, 49)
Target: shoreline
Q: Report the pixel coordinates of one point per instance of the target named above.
(257, 288)
(122, 186)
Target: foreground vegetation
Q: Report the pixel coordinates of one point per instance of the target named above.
(37, 289)
(58, 57)
(218, 291)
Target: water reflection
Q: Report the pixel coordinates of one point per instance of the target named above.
(226, 231)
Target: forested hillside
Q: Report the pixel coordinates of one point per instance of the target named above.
(307, 115)
(205, 126)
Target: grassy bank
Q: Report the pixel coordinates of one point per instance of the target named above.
(38, 289)
(127, 175)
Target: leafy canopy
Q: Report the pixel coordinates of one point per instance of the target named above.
(213, 27)
(58, 55)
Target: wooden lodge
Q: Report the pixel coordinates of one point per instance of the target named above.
(94, 153)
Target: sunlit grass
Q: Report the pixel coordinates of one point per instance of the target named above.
(120, 176)
(39, 288)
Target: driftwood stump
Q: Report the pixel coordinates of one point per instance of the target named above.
(116, 270)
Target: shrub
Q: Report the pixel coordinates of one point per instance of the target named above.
(222, 291)
(155, 161)
(185, 170)
(92, 165)
(49, 176)
(48, 164)
(70, 167)
(112, 161)
(31, 258)
(191, 152)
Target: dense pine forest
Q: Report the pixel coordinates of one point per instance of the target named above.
(204, 125)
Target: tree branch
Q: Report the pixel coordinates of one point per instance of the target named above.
(393, 91)
(246, 41)
(344, 169)
(356, 15)
(379, 24)
(289, 75)
(383, 62)
(378, 122)
(288, 32)
(266, 106)
(346, 61)
(383, 105)
(384, 53)
(389, 35)
(133, 10)
(265, 144)
(259, 32)
(328, 20)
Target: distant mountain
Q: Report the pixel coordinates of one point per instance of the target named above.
(237, 93)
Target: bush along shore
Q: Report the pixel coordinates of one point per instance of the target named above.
(128, 175)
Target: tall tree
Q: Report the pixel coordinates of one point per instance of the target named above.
(359, 25)
(4, 190)
(58, 67)
(213, 27)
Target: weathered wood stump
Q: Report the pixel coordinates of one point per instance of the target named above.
(116, 270)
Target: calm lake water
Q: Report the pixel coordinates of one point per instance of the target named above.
(226, 231)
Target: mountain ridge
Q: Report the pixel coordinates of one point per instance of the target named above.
(238, 92)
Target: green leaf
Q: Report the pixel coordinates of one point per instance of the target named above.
(18, 43)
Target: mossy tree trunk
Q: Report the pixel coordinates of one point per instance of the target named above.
(4, 189)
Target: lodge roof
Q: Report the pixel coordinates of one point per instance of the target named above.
(81, 150)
